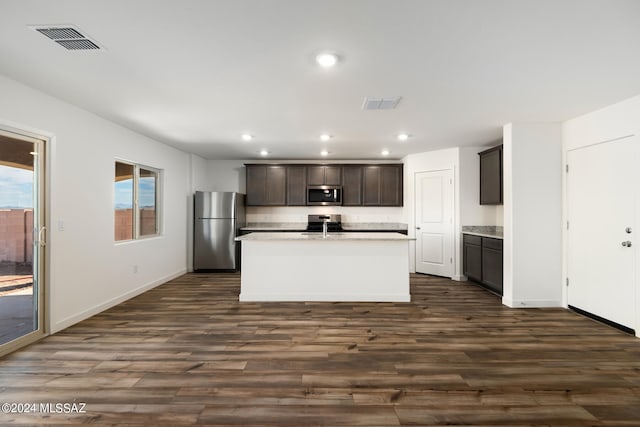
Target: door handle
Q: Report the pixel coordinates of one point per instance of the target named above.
(42, 236)
(626, 244)
(628, 230)
(417, 228)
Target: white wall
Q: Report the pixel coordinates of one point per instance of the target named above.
(199, 171)
(226, 175)
(500, 215)
(197, 181)
(467, 209)
(87, 271)
(532, 215)
(471, 211)
(613, 122)
(429, 161)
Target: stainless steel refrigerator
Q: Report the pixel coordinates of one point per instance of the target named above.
(218, 217)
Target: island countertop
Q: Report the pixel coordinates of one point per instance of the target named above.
(346, 226)
(317, 236)
(341, 267)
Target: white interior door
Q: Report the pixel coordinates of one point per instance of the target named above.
(601, 206)
(434, 222)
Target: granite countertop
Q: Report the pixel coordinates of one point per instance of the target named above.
(275, 226)
(302, 226)
(494, 231)
(332, 236)
(374, 226)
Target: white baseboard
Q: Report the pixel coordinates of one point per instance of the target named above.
(256, 297)
(85, 314)
(530, 303)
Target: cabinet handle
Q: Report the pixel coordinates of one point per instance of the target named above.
(417, 228)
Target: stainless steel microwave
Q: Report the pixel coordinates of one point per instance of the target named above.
(324, 195)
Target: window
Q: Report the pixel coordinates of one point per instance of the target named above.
(136, 190)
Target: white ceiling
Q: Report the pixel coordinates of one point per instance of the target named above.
(197, 74)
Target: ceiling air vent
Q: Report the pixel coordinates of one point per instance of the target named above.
(380, 103)
(68, 37)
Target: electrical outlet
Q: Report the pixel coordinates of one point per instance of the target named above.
(60, 225)
(135, 269)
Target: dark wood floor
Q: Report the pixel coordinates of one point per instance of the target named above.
(189, 353)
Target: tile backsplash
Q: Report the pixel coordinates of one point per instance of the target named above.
(349, 214)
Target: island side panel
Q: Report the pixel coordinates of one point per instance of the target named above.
(351, 270)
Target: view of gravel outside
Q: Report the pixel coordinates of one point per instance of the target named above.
(16, 300)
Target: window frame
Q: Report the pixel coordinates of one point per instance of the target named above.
(136, 207)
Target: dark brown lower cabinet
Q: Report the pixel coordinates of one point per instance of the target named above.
(472, 257)
(492, 264)
(482, 261)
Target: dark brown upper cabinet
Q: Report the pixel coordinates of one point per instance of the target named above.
(266, 185)
(382, 185)
(324, 175)
(296, 185)
(491, 176)
(286, 184)
(352, 185)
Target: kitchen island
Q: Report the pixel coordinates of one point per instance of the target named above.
(339, 267)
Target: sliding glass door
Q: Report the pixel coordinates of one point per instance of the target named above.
(22, 238)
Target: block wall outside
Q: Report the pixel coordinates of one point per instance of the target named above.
(16, 231)
(124, 223)
(16, 235)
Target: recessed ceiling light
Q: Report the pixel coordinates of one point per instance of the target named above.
(403, 136)
(385, 152)
(325, 137)
(324, 153)
(247, 137)
(264, 152)
(327, 59)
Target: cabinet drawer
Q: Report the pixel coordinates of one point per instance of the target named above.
(471, 240)
(488, 242)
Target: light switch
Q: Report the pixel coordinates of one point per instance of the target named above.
(60, 225)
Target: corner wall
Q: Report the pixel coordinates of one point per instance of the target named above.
(87, 272)
(532, 215)
(467, 209)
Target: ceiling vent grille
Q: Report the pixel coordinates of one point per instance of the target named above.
(380, 103)
(83, 44)
(68, 37)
